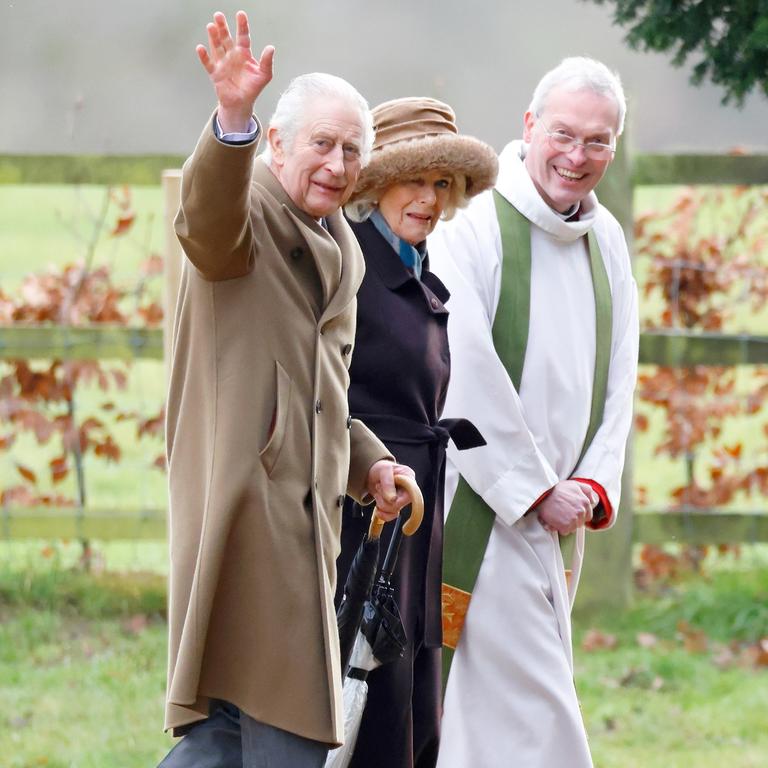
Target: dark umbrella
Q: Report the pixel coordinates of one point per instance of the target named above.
(371, 632)
(358, 587)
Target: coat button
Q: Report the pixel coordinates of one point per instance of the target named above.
(318, 407)
(340, 501)
(349, 422)
(346, 349)
(296, 253)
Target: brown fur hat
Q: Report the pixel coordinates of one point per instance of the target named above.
(418, 134)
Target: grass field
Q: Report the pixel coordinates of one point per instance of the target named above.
(82, 666)
(43, 225)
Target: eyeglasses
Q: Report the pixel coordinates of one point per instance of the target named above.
(564, 142)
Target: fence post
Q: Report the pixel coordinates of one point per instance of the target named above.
(607, 574)
(171, 181)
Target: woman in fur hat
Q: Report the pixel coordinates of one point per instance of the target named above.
(420, 170)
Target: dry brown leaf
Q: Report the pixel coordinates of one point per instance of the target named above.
(135, 624)
(26, 473)
(595, 640)
(694, 640)
(646, 640)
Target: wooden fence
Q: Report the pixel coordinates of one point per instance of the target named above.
(609, 562)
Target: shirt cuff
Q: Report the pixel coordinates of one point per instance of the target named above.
(510, 498)
(247, 137)
(602, 514)
(538, 501)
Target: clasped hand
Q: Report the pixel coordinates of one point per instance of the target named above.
(568, 506)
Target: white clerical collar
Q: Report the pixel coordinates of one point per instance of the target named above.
(515, 184)
(570, 213)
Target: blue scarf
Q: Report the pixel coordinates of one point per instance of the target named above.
(410, 256)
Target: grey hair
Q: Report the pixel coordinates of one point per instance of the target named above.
(290, 112)
(579, 73)
(360, 209)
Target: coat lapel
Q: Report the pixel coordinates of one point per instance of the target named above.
(352, 265)
(324, 250)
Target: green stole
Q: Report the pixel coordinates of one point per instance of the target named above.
(470, 521)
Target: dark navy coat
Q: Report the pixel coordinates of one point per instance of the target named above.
(399, 378)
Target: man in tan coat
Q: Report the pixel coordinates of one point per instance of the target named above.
(261, 450)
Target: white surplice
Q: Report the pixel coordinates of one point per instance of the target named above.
(510, 699)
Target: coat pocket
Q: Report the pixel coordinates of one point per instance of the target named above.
(270, 453)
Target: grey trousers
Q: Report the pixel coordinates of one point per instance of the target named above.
(231, 739)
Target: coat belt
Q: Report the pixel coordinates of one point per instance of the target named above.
(396, 429)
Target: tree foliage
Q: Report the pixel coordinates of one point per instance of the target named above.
(705, 262)
(40, 398)
(728, 41)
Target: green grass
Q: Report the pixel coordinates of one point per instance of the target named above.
(43, 225)
(668, 707)
(82, 657)
(76, 693)
(82, 666)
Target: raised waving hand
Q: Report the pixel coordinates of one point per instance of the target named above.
(238, 78)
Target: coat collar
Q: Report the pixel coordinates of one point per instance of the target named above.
(380, 256)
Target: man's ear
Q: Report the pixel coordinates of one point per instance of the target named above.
(529, 120)
(276, 146)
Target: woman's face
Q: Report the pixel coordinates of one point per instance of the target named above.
(412, 207)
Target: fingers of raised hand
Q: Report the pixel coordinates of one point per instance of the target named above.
(222, 29)
(243, 39)
(219, 39)
(266, 59)
(205, 59)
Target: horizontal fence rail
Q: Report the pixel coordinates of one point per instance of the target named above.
(658, 170)
(62, 342)
(663, 347)
(698, 526)
(86, 169)
(645, 169)
(682, 527)
(91, 523)
(687, 348)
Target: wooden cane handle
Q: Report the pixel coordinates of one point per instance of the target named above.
(412, 524)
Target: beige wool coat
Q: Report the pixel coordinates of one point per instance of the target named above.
(260, 447)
